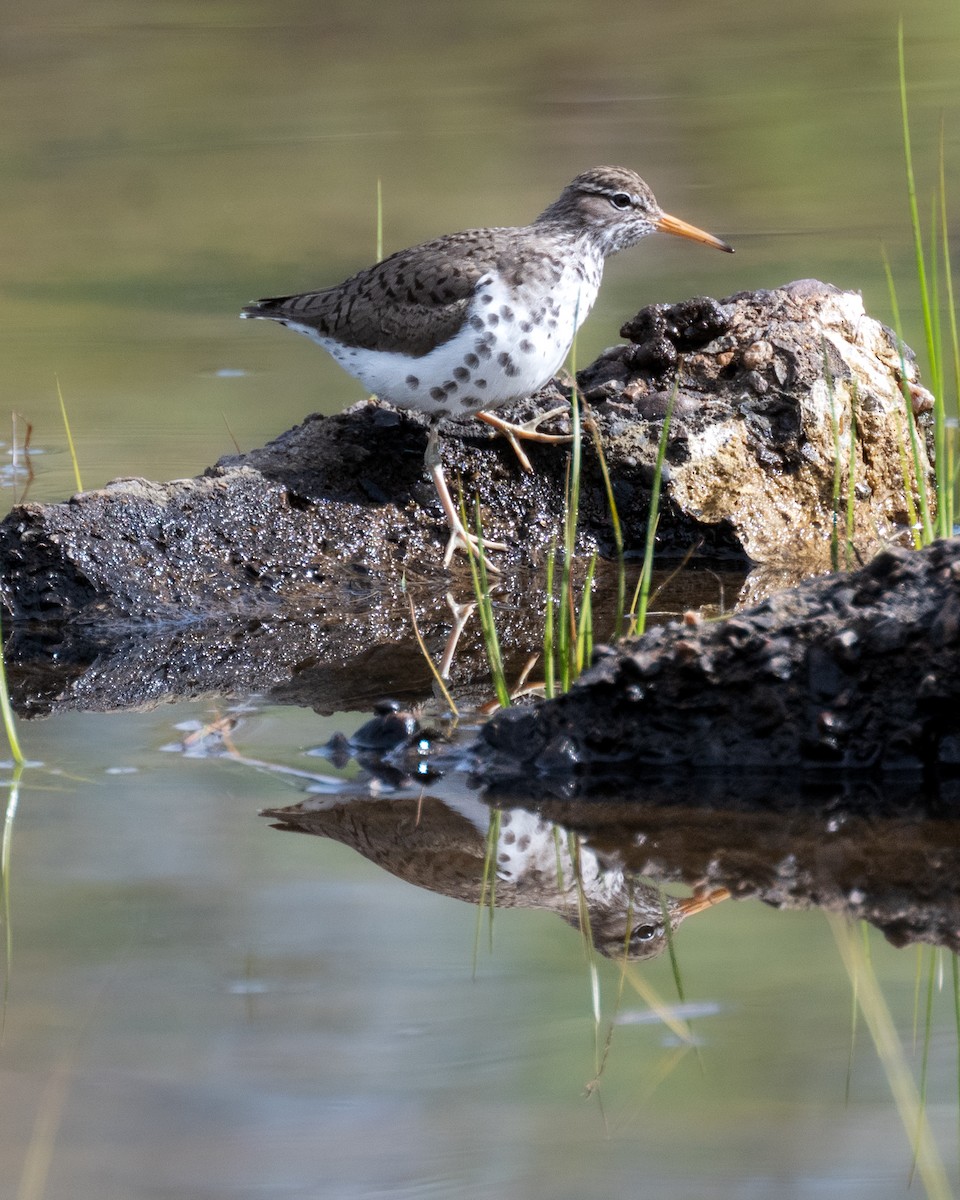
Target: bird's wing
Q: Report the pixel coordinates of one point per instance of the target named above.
(409, 302)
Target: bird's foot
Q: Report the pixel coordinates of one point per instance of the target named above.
(461, 614)
(528, 431)
(468, 543)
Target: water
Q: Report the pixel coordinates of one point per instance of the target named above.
(199, 1005)
(160, 173)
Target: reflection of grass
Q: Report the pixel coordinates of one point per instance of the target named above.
(668, 932)
(955, 964)
(6, 846)
(488, 887)
(935, 983)
(910, 1103)
(927, 1026)
(46, 1128)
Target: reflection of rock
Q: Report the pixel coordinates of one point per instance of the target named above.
(441, 845)
(857, 672)
(887, 852)
(342, 503)
(887, 855)
(347, 652)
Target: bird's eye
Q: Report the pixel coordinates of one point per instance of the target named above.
(621, 200)
(643, 933)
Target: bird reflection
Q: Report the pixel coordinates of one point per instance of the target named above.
(462, 848)
(455, 844)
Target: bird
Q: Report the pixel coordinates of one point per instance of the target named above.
(470, 322)
(456, 845)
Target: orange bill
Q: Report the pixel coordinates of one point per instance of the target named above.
(668, 224)
(702, 898)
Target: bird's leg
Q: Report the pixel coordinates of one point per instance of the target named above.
(527, 431)
(461, 615)
(460, 537)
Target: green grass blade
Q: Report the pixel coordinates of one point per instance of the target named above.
(889, 1049)
(921, 266)
(617, 530)
(653, 520)
(937, 325)
(849, 550)
(6, 710)
(937, 385)
(549, 662)
(837, 463)
(572, 510)
(947, 498)
(926, 530)
(584, 647)
(931, 310)
(379, 257)
(70, 445)
(488, 624)
(563, 625)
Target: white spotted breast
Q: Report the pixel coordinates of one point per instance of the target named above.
(512, 341)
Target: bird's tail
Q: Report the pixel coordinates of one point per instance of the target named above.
(268, 307)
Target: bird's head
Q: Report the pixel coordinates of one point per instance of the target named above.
(614, 207)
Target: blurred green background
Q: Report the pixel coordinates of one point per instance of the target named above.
(163, 163)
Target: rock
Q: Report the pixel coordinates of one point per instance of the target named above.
(760, 411)
(845, 673)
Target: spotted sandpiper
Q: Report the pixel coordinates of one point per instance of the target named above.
(476, 320)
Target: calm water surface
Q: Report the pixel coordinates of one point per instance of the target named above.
(202, 1005)
(199, 1005)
